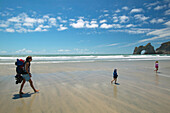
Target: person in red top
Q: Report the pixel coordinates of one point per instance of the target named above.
(156, 66)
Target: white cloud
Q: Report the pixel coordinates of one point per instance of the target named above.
(113, 44)
(80, 24)
(5, 14)
(52, 22)
(123, 19)
(82, 51)
(133, 30)
(153, 4)
(28, 24)
(105, 11)
(24, 51)
(103, 21)
(63, 50)
(136, 10)
(92, 25)
(40, 20)
(20, 18)
(159, 33)
(93, 21)
(25, 20)
(117, 26)
(167, 23)
(150, 5)
(130, 25)
(106, 26)
(46, 17)
(10, 9)
(153, 21)
(24, 23)
(62, 28)
(141, 17)
(4, 25)
(46, 26)
(17, 25)
(39, 29)
(117, 11)
(160, 20)
(125, 8)
(30, 20)
(60, 19)
(106, 15)
(159, 7)
(63, 21)
(10, 30)
(115, 19)
(14, 19)
(72, 20)
(23, 30)
(167, 12)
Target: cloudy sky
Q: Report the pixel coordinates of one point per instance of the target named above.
(82, 26)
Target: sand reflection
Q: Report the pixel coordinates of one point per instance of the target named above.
(156, 79)
(115, 91)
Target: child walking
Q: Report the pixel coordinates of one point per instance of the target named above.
(156, 66)
(114, 76)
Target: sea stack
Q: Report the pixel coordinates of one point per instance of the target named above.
(149, 49)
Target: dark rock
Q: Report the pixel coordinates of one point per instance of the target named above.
(149, 49)
(164, 48)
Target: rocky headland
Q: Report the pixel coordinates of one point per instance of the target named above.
(149, 49)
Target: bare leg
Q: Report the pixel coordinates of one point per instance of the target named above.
(156, 70)
(31, 84)
(22, 85)
(115, 80)
(112, 80)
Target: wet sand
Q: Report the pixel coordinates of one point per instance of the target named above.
(86, 88)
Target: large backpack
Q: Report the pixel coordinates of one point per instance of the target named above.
(20, 66)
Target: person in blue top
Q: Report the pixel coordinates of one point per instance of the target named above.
(115, 75)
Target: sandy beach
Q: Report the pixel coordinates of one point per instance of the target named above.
(85, 88)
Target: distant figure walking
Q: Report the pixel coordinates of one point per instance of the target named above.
(27, 77)
(156, 66)
(115, 75)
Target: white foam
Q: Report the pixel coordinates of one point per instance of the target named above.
(81, 58)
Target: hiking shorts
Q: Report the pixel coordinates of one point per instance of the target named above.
(26, 77)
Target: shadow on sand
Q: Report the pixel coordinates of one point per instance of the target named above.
(117, 84)
(26, 95)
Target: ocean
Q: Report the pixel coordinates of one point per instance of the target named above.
(10, 59)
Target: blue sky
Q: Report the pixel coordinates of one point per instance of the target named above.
(82, 26)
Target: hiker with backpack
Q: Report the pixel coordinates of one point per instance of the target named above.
(27, 75)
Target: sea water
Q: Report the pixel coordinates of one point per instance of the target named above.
(10, 59)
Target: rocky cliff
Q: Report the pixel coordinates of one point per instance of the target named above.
(149, 49)
(164, 48)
